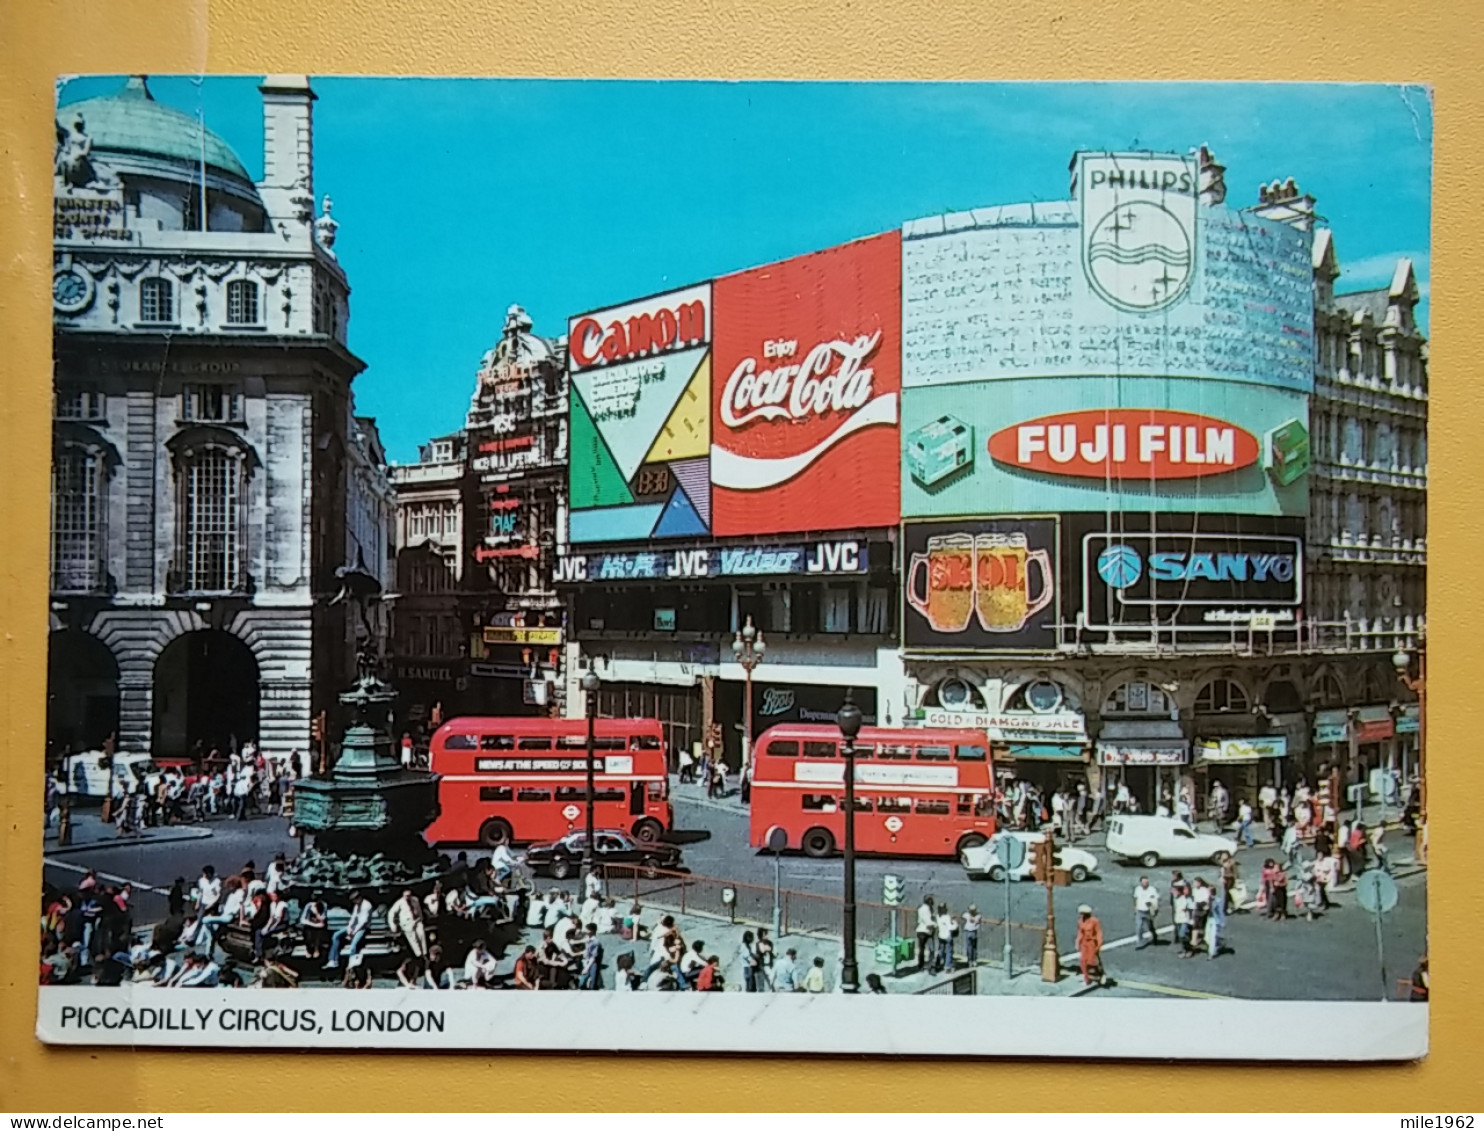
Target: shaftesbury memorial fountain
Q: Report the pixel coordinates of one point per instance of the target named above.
(366, 816)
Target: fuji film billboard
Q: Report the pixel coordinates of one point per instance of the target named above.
(1133, 348)
(806, 392)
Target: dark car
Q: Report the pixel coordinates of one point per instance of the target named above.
(563, 858)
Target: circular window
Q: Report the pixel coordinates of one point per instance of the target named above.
(955, 694)
(1043, 696)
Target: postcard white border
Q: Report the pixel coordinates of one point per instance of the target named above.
(751, 1023)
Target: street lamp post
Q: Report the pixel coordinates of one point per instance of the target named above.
(849, 720)
(1418, 686)
(590, 685)
(748, 648)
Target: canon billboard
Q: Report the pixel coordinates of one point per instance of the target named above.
(640, 417)
(1132, 348)
(807, 389)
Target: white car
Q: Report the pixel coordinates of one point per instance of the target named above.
(981, 863)
(87, 773)
(1151, 840)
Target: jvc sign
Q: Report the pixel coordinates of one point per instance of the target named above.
(835, 557)
(1213, 581)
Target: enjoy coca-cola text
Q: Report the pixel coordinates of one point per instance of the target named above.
(815, 386)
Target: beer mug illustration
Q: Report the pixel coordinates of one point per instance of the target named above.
(1002, 584)
(948, 600)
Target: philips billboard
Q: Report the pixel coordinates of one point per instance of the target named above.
(1132, 347)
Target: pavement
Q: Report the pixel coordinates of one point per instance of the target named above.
(89, 834)
(1333, 958)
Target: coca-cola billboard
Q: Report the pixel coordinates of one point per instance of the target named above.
(806, 392)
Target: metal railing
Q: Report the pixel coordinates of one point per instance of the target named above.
(962, 983)
(1310, 637)
(799, 912)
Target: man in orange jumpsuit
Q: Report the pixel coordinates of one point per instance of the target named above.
(1090, 945)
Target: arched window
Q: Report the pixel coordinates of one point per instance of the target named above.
(1380, 685)
(156, 300)
(1138, 698)
(1281, 697)
(242, 302)
(1221, 695)
(1329, 691)
(210, 546)
(77, 520)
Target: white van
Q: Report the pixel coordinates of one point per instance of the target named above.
(1150, 840)
(87, 773)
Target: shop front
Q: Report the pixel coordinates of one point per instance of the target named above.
(427, 688)
(680, 711)
(1147, 756)
(1331, 745)
(1047, 748)
(1376, 761)
(1408, 742)
(1242, 765)
(777, 704)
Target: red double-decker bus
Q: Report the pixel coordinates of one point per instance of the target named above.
(917, 792)
(520, 780)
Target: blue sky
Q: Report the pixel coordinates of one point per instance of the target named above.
(457, 198)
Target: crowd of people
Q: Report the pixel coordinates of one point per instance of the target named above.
(938, 933)
(434, 941)
(240, 784)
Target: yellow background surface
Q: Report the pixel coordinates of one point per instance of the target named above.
(1339, 40)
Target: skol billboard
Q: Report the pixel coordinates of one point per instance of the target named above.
(1207, 573)
(980, 584)
(806, 388)
(640, 419)
(1132, 348)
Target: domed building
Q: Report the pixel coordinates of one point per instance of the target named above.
(209, 472)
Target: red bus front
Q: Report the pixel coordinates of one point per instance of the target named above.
(917, 792)
(520, 780)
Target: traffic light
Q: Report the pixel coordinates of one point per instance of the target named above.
(437, 716)
(1042, 861)
(892, 890)
(317, 727)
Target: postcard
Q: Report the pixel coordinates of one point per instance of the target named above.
(739, 567)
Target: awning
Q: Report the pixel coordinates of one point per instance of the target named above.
(1410, 720)
(1331, 726)
(1148, 752)
(1242, 749)
(1041, 751)
(1374, 724)
(1116, 730)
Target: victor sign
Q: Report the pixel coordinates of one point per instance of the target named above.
(807, 386)
(1126, 443)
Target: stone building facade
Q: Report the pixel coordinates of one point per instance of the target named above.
(479, 626)
(204, 439)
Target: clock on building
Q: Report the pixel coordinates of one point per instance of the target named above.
(72, 291)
